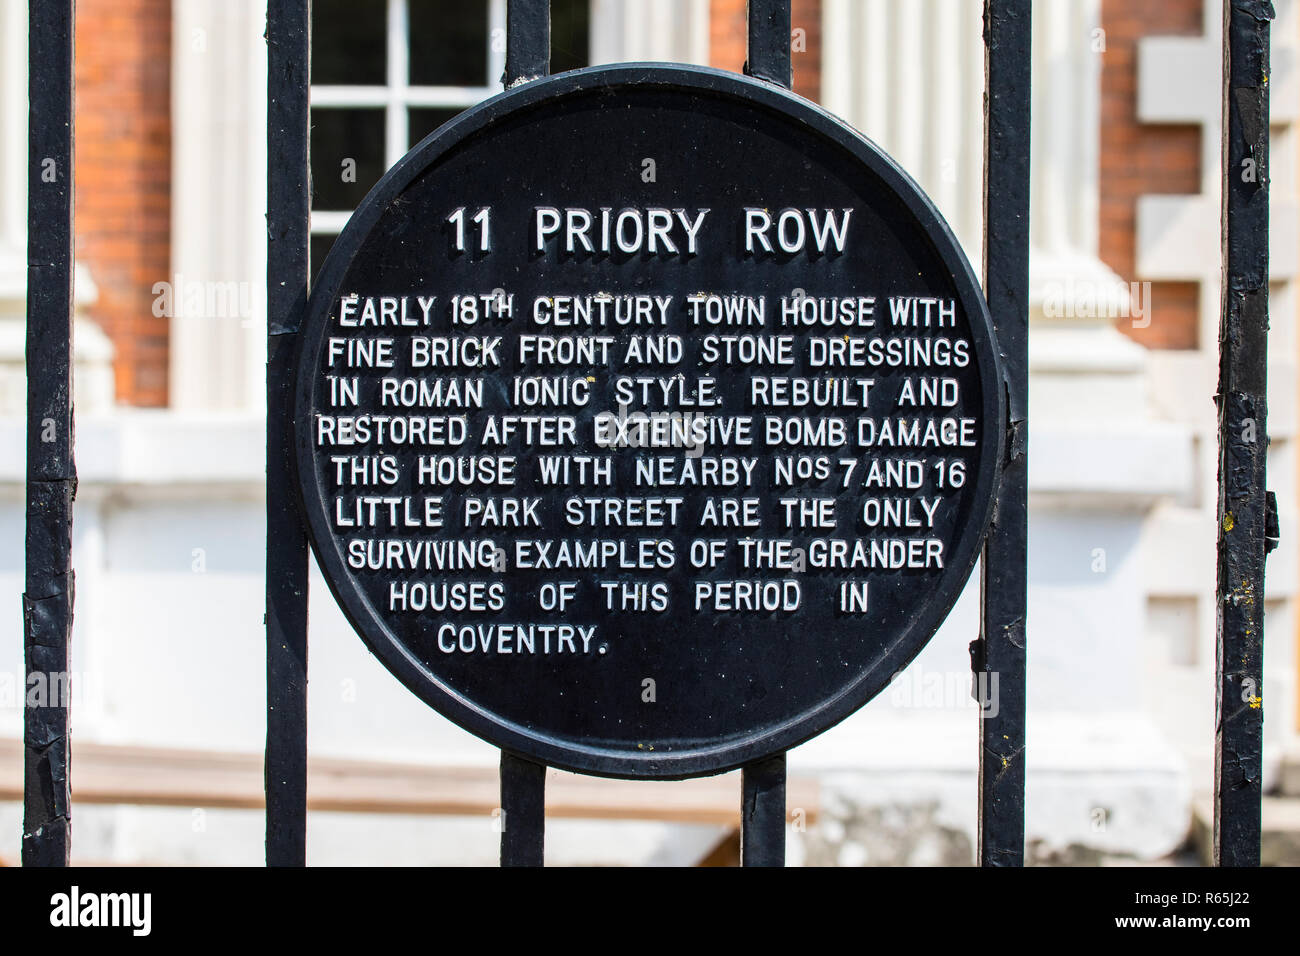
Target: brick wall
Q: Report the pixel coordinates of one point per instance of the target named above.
(1139, 159)
(123, 169)
(727, 38)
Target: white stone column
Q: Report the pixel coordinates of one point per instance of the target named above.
(218, 253)
(676, 31)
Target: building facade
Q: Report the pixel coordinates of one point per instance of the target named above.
(168, 535)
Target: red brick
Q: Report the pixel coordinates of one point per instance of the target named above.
(1140, 159)
(123, 169)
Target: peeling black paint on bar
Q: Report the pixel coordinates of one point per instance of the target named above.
(288, 222)
(1243, 511)
(528, 40)
(762, 821)
(523, 811)
(769, 42)
(51, 474)
(1000, 649)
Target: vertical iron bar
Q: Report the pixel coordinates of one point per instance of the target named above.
(1243, 443)
(762, 821)
(51, 473)
(288, 231)
(523, 811)
(769, 42)
(528, 40)
(999, 654)
(523, 783)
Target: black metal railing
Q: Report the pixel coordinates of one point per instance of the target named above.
(51, 474)
(1000, 649)
(288, 223)
(1245, 514)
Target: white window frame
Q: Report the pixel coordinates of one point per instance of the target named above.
(219, 137)
(397, 95)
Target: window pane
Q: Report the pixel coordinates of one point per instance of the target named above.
(348, 45)
(320, 248)
(570, 34)
(424, 121)
(449, 42)
(347, 155)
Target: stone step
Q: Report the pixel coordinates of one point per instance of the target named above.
(1289, 776)
(1279, 841)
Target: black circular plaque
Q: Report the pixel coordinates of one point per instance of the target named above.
(647, 420)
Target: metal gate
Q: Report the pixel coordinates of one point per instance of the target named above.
(1247, 520)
